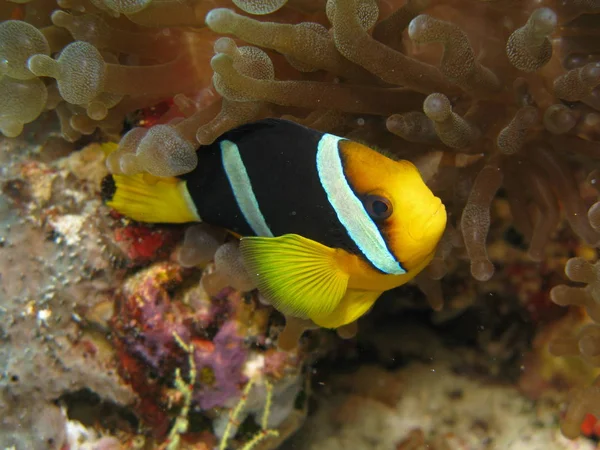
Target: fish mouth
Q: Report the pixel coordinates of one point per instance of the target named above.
(439, 206)
(420, 228)
(440, 209)
(437, 216)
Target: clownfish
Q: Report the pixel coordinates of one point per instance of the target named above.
(326, 224)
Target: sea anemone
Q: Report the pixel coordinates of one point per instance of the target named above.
(489, 98)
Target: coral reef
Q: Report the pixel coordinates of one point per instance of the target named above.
(96, 311)
(435, 409)
(581, 340)
(149, 327)
(496, 103)
(53, 226)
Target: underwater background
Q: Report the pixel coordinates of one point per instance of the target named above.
(117, 334)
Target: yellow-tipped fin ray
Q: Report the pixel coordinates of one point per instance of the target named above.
(146, 198)
(300, 277)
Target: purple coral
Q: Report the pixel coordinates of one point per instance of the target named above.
(220, 368)
(145, 325)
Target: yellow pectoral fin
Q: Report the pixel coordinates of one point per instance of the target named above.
(298, 276)
(354, 304)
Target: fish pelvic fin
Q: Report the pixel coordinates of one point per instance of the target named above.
(147, 198)
(353, 305)
(298, 276)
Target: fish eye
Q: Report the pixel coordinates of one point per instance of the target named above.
(378, 207)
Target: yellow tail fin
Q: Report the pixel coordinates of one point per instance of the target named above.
(146, 198)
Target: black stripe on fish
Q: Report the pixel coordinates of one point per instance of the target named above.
(280, 159)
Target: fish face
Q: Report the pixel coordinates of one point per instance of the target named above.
(409, 217)
(414, 234)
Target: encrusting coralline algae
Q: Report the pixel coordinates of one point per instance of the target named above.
(497, 102)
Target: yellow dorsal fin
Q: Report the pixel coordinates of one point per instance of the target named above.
(354, 304)
(150, 199)
(300, 277)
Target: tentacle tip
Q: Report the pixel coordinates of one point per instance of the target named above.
(417, 25)
(570, 429)
(216, 18)
(42, 65)
(59, 18)
(224, 45)
(557, 294)
(217, 61)
(544, 20)
(348, 331)
(437, 107)
(591, 72)
(536, 255)
(482, 270)
(437, 307)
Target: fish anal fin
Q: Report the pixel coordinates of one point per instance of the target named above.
(353, 305)
(298, 276)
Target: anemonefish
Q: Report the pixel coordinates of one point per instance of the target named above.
(326, 224)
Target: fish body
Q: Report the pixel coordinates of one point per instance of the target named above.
(326, 224)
